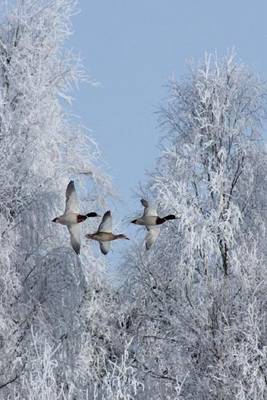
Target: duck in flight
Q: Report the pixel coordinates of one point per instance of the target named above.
(151, 221)
(104, 233)
(72, 217)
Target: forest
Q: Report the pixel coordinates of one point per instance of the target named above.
(189, 320)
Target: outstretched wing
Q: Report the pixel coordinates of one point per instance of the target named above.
(72, 204)
(106, 223)
(75, 239)
(149, 210)
(104, 247)
(153, 233)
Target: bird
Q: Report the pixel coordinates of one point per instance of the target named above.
(72, 217)
(151, 220)
(104, 233)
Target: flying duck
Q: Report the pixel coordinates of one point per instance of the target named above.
(72, 217)
(104, 233)
(151, 220)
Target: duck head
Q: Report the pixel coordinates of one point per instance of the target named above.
(92, 214)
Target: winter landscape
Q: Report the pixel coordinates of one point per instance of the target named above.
(179, 310)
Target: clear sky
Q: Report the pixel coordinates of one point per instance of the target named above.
(132, 48)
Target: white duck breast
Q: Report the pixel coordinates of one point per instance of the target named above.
(68, 219)
(149, 220)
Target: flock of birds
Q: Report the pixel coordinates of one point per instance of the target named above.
(104, 235)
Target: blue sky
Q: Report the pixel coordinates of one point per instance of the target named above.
(132, 48)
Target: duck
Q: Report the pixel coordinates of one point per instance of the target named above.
(151, 221)
(104, 234)
(72, 217)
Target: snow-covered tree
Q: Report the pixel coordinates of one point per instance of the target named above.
(43, 284)
(190, 321)
(198, 297)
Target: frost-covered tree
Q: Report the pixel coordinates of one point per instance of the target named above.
(198, 298)
(190, 322)
(43, 284)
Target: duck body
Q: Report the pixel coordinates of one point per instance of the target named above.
(148, 220)
(104, 233)
(104, 236)
(72, 218)
(151, 220)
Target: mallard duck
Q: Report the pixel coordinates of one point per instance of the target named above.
(72, 217)
(104, 233)
(151, 220)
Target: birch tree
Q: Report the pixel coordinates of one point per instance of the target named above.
(198, 297)
(43, 283)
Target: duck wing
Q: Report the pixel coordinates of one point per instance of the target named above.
(75, 238)
(106, 223)
(104, 247)
(153, 233)
(72, 204)
(149, 210)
